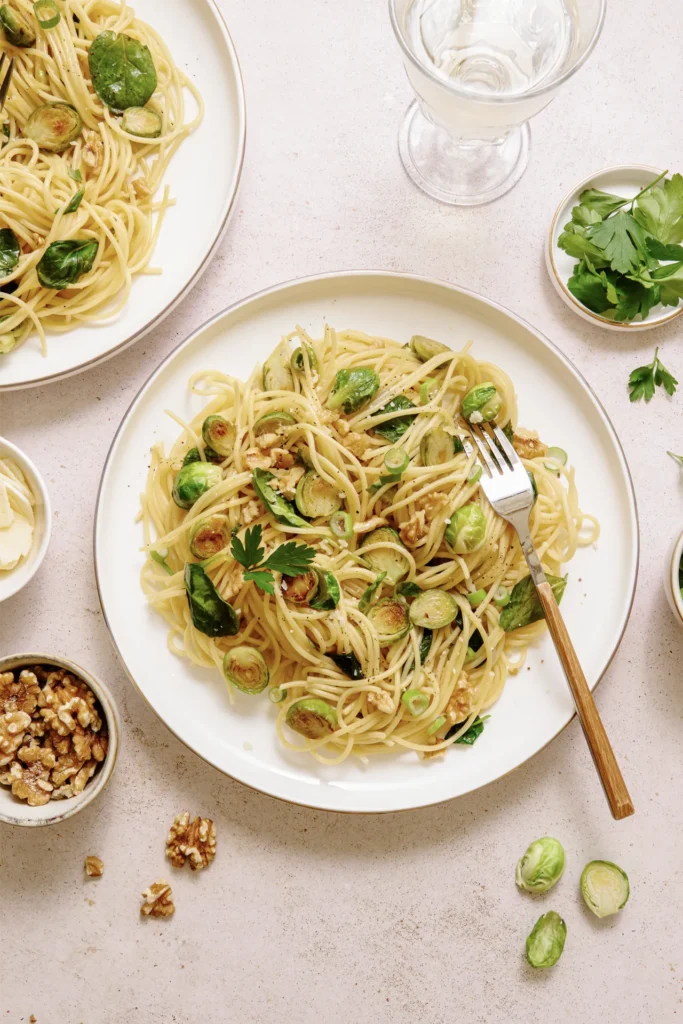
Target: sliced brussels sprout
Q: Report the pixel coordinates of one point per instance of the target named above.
(466, 530)
(211, 615)
(219, 434)
(300, 589)
(54, 126)
(348, 664)
(481, 404)
(604, 887)
(386, 560)
(209, 536)
(277, 374)
(353, 388)
(245, 667)
(433, 609)
(209, 454)
(142, 122)
(524, 606)
(16, 26)
(390, 619)
(329, 593)
(278, 506)
(194, 480)
(298, 363)
(393, 430)
(273, 423)
(436, 447)
(541, 866)
(312, 717)
(425, 348)
(545, 943)
(316, 497)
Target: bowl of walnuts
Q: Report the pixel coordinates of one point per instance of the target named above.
(59, 735)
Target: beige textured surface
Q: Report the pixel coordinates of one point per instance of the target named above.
(304, 916)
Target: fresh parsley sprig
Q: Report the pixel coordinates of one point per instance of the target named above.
(644, 379)
(291, 559)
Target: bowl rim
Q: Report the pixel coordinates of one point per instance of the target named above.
(25, 463)
(111, 714)
(569, 299)
(676, 553)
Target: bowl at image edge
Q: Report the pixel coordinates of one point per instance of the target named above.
(13, 581)
(671, 585)
(18, 812)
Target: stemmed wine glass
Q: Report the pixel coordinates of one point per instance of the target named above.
(480, 69)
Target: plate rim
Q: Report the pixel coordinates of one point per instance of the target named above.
(313, 280)
(208, 258)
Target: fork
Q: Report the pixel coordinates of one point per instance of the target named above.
(4, 88)
(508, 488)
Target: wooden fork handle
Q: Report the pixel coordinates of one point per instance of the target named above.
(612, 780)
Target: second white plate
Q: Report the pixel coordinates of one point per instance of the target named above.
(553, 398)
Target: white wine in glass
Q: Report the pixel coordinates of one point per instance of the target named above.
(480, 69)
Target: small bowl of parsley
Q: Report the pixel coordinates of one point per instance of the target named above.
(615, 248)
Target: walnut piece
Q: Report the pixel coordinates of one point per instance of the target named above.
(288, 480)
(381, 702)
(415, 529)
(18, 695)
(31, 783)
(191, 840)
(158, 900)
(94, 867)
(13, 726)
(460, 701)
(528, 444)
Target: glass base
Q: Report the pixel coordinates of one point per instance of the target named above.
(466, 173)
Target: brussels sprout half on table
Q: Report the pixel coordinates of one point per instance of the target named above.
(541, 866)
(481, 404)
(466, 529)
(604, 887)
(545, 943)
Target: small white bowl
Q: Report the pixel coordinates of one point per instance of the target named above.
(626, 180)
(17, 812)
(671, 586)
(13, 581)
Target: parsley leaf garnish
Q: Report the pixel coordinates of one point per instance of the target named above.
(678, 458)
(644, 379)
(291, 559)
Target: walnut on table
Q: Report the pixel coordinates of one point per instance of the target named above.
(94, 867)
(191, 840)
(157, 900)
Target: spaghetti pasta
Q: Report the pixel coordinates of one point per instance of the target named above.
(118, 173)
(281, 423)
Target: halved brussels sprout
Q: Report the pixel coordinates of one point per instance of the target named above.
(277, 375)
(329, 594)
(604, 887)
(353, 388)
(143, 122)
(16, 26)
(273, 423)
(436, 447)
(245, 667)
(466, 530)
(541, 866)
(433, 609)
(312, 717)
(316, 497)
(209, 536)
(193, 480)
(425, 348)
(297, 361)
(390, 619)
(219, 434)
(54, 126)
(545, 943)
(481, 404)
(386, 560)
(300, 589)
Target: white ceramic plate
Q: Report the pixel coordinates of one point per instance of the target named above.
(627, 181)
(241, 741)
(203, 177)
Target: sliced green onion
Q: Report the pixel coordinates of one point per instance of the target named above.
(557, 455)
(397, 460)
(76, 175)
(471, 654)
(47, 13)
(476, 598)
(160, 560)
(416, 702)
(501, 597)
(426, 389)
(474, 474)
(435, 726)
(276, 695)
(341, 525)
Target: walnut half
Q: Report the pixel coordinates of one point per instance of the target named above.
(158, 900)
(94, 867)
(191, 840)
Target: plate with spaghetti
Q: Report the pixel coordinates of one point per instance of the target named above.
(118, 119)
(299, 568)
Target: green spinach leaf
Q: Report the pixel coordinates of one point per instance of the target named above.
(393, 430)
(10, 251)
(122, 70)
(525, 606)
(211, 615)
(472, 734)
(278, 506)
(75, 201)
(63, 263)
(369, 593)
(348, 664)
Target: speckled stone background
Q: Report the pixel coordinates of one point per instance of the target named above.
(306, 916)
